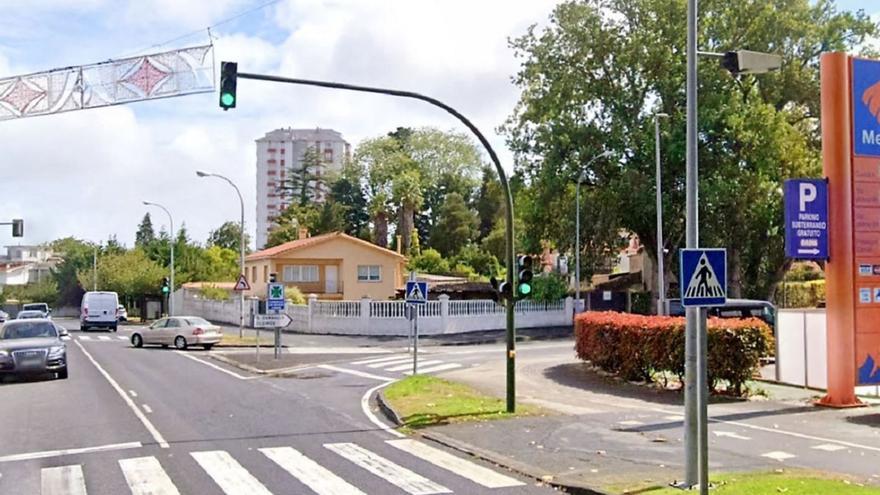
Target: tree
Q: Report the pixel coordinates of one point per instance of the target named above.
(430, 261)
(456, 226)
(303, 183)
(145, 234)
(77, 255)
(489, 202)
(131, 274)
(348, 192)
(407, 191)
(591, 81)
(228, 236)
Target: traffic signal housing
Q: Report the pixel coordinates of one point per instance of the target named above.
(165, 288)
(272, 278)
(500, 290)
(524, 277)
(228, 83)
(17, 227)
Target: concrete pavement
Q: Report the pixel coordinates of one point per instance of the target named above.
(177, 422)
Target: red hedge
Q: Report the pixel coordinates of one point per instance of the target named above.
(636, 347)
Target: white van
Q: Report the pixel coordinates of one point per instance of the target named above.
(98, 310)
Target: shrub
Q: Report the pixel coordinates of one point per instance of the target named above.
(430, 261)
(294, 295)
(548, 287)
(636, 347)
(214, 293)
(482, 262)
(801, 294)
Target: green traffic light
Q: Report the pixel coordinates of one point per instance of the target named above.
(165, 290)
(227, 99)
(525, 289)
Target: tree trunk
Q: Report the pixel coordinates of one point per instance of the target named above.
(406, 227)
(778, 275)
(734, 276)
(380, 226)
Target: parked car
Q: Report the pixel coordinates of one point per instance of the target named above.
(3, 316)
(121, 313)
(30, 347)
(41, 307)
(734, 308)
(180, 331)
(30, 315)
(99, 310)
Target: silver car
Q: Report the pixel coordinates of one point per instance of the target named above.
(30, 315)
(31, 347)
(180, 331)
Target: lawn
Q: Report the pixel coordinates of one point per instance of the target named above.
(426, 401)
(789, 483)
(234, 341)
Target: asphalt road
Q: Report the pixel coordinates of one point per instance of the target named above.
(161, 421)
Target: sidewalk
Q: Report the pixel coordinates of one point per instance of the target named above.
(610, 436)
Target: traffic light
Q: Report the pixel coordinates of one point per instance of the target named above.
(524, 279)
(17, 227)
(271, 278)
(500, 290)
(228, 81)
(749, 62)
(165, 288)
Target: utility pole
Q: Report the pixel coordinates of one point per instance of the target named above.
(95, 269)
(661, 282)
(171, 244)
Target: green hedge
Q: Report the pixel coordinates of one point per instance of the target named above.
(637, 347)
(801, 294)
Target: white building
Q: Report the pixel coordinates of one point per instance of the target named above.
(280, 153)
(26, 264)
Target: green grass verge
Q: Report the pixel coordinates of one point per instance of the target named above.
(789, 483)
(423, 401)
(235, 340)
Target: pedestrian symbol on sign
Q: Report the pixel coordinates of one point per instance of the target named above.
(705, 271)
(704, 283)
(416, 292)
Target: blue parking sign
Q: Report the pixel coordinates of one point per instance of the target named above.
(703, 277)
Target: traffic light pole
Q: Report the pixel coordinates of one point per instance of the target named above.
(502, 176)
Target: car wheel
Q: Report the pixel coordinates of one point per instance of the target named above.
(137, 340)
(83, 328)
(114, 328)
(180, 342)
(62, 375)
(208, 346)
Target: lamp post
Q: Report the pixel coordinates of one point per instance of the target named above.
(661, 283)
(241, 247)
(171, 243)
(577, 234)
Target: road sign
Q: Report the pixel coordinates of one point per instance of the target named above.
(279, 320)
(275, 298)
(866, 107)
(242, 284)
(417, 292)
(704, 271)
(806, 219)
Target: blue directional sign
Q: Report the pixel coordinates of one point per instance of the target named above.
(417, 292)
(866, 106)
(275, 300)
(806, 219)
(703, 277)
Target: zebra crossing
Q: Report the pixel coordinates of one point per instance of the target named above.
(402, 363)
(99, 338)
(148, 475)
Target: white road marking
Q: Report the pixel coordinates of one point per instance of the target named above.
(62, 480)
(319, 479)
(399, 360)
(147, 408)
(145, 476)
(630, 422)
(104, 337)
(395, 474)
(778, 455)
(798, 435)
(674, 417)
(122, 337)
(829, 447)
(377, 360)
(229, 475)
(730, 434)
(133, 393)
(354, 372)
(84, 337)
(408, 365)
(137, 412)
(365, 407)
(58, 453)
(464, 468)
(212, 365)
(435, 369)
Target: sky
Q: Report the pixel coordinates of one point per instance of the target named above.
(86, 173)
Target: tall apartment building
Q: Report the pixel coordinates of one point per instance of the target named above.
(279, 154)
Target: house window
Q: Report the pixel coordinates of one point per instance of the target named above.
(254, 275)
(301, 273)
(266, 273)
(369, 273)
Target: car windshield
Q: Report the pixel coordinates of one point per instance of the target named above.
(30, 314)
(197, 321)
(28, 330)
(36, 307)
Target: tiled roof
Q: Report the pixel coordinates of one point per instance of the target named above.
(311, 241)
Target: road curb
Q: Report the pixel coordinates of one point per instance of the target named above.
(237, 364)
(486, 455)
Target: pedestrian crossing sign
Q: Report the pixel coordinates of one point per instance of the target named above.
(416, 292)
(703, 279)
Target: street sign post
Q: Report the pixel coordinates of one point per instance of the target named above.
(806, 219)
(416, 294)
(280, 320)
(704, 277)
(275, 301)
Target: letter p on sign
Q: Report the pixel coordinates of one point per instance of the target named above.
(807, 194)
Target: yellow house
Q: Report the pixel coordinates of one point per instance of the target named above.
(332, 266)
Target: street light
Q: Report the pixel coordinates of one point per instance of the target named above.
(241, 247)
(661, 284)
(696, 391)
(171, 243)
(577, 233)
